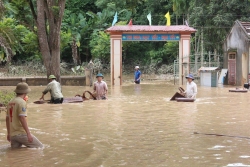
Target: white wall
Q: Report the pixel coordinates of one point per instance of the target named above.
(205, 78)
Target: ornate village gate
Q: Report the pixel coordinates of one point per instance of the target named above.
(181, 33)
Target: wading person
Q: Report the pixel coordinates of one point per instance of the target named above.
(137, 75)
(191, 89)
(18, 132)
(55, 90)
(100, 88)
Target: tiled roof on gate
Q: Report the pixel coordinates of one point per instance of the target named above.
(147, 28)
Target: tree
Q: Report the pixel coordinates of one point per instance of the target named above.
(48, 20)
(76, 26)
(7, 40)
(215, 19)
(1, 9)
(180, 7)
(100, 46)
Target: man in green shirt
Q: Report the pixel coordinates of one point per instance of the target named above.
(55, 90)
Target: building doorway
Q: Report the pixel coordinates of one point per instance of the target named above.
(232, 68)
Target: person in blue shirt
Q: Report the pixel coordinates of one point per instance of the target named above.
(137, 75)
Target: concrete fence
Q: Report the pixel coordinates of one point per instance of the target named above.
(37, 81)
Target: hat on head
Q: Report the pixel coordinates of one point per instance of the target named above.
(136, 67)
(52, 77)
(190, 76)
(22, 87)
(99, 75)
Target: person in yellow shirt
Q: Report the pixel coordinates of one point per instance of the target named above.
(18, 132)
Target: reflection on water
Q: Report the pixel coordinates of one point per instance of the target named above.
(137, 127)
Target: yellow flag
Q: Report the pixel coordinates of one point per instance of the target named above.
(167, 15)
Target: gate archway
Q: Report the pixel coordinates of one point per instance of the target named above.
(181, 33)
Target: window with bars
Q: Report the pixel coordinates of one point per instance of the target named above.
(231, 56)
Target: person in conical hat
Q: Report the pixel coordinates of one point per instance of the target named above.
(55, 90)
(18, 132)
(191, 90)
(100, 88)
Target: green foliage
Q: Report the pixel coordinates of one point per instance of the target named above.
(55, 10)
(19, 38)
(100, 46)
(30, 46)
(20, 10)
(171, 50)
(66, 39)
(85, 21)
(5, 97)
(7, 37)
(216, 19)
(181, 6)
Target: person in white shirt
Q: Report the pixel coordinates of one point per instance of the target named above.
(191, 90)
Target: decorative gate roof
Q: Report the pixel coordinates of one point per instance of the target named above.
(147, 28)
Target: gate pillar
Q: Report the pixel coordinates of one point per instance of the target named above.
(184, 57)
(116, 58)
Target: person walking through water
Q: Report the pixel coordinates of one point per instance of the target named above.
(137, 75)
(55, 90)
(191, 90)
(100, 88)
(18, 132)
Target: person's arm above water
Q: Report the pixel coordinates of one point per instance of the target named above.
(42, 97)
(48, 88)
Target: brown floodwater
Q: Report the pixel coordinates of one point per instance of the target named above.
(137, 127)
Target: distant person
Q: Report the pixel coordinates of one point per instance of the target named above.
(191, 89)
(137, 75)
(100, 88)
(55, 90)
(18, 132)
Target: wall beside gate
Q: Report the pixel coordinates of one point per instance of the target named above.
(194, 68)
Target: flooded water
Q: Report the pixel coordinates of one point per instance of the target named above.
(137, 127)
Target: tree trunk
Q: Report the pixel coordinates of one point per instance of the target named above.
(74, 52)
(51, 12)
(79, 57)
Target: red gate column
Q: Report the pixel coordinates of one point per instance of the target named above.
(184, 57)
(116, 58)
